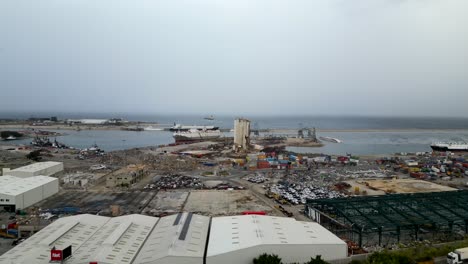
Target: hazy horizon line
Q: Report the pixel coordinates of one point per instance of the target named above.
(117, 114)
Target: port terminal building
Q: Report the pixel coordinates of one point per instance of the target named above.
(182, 238)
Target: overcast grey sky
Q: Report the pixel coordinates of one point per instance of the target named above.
(366, 57)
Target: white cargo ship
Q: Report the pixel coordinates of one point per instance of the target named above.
(196, 135)
(179, 127)
(450, 146)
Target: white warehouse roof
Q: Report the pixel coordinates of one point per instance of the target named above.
(4, 180)
(46, 168)
(74, 230)
(181, 235)
(236, 233)
(11, 185)
(180, 238)
(124, 239)
(117, 241)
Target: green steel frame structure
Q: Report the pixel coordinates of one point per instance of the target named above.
(394, 218)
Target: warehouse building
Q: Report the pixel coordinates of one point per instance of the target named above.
(179, 238)
(134, 238)
(182, 238)
(240, 239)
(118, 240)
(47, 168)
(19, 193)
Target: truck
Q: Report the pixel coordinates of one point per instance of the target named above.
(458, 256)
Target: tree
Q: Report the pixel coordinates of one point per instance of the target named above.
(34, 155)
(317, 260)
(267, 259)
(386, 257)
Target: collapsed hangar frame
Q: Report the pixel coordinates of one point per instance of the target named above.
(394, 218)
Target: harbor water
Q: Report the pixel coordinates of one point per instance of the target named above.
(364, 140)
(359, 143)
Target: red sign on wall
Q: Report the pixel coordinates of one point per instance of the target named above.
(55, 255)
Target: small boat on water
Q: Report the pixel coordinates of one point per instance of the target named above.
(11, 138)
(330, 139)
(211, 117)
(151, 128)
(196, 135)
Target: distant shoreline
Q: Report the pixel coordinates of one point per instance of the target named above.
(272, 130)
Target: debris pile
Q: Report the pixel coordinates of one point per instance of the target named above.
(175, 182)
(92, 152)
(257, 178)
(299, 193)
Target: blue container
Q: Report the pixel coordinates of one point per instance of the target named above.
(12, 232)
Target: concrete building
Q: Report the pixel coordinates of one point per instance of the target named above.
(241, 134)
(240, 239)
(47, 168)
(126, 176)
(19, 193)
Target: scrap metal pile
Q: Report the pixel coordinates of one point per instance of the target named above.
(299, 193)
(176, 182)
(257, 178)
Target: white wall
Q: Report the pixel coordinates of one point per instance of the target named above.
(288, 253)
(50, 189)
(50, 170)
(5, 197)
(31, 197)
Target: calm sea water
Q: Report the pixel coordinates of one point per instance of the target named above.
(359, 143)
(263, 122)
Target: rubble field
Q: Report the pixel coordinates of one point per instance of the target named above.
(215, 203)
(166, 202)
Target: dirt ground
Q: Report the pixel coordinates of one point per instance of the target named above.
(167, 201)
(380, 187)
(214, 203)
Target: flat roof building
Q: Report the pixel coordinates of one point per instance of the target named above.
(240, 239)
(47, 168)
(19, 193)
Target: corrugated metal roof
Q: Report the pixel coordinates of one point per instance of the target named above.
(118, 242)
(64, 232)
(232, 233)
(164, 240)
(123, 239)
